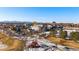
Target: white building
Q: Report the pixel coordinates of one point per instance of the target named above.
(35, 27)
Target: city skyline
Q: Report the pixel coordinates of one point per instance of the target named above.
(40, 14)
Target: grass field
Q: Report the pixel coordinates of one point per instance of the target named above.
(69, 43)
(13, 44)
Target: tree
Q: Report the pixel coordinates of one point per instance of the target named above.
(74, 36)
(53, 33)
(63, 34)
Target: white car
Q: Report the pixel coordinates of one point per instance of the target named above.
(61, 47)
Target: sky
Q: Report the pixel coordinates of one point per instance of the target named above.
(40, 14)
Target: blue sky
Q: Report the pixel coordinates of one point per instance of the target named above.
(40, 14)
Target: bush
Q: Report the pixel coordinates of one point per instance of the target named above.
(63, 34)
(53, 33)
(74, 36)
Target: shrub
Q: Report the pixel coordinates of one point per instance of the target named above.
(74, 36)
(63, 34)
